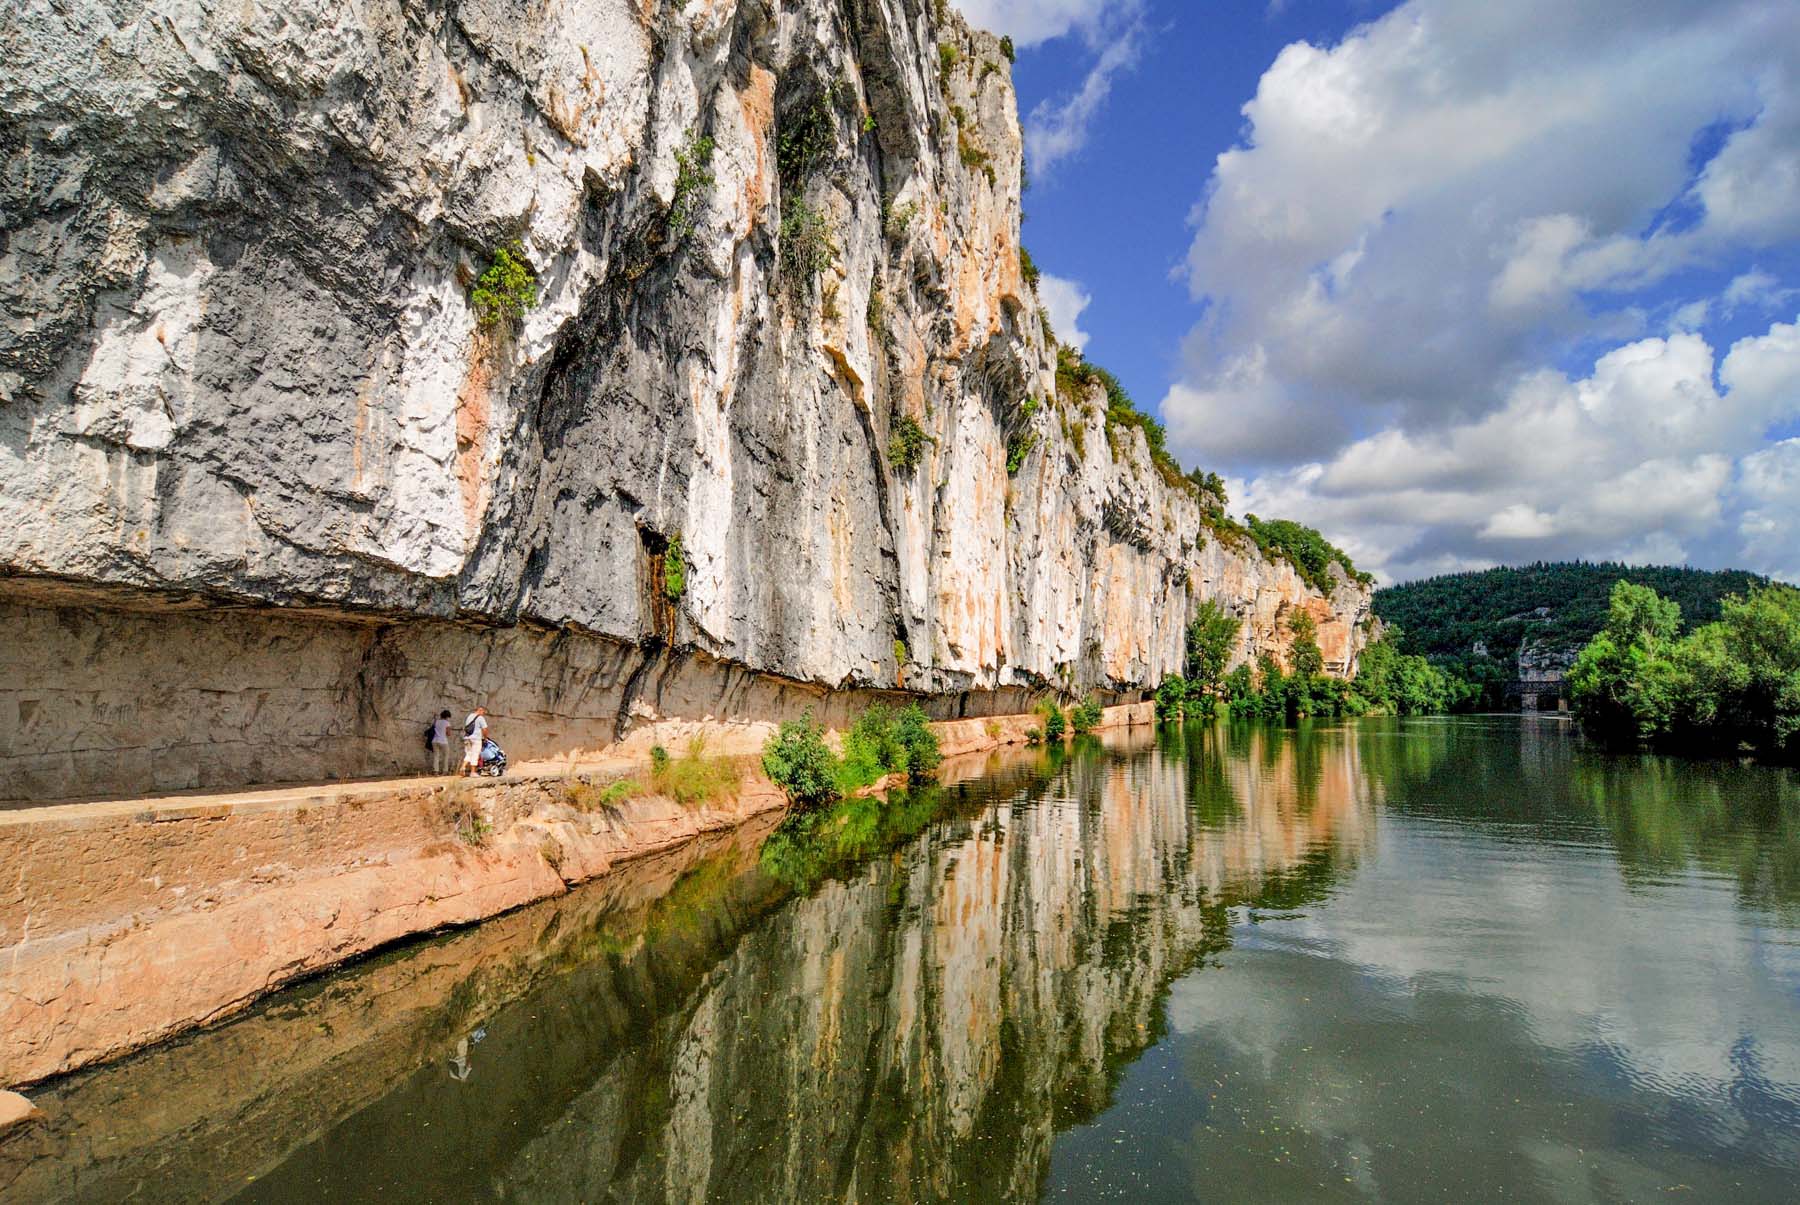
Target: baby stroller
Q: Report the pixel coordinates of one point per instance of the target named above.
(493, 759)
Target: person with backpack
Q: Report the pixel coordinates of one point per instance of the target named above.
(474, 733)
(437, 743)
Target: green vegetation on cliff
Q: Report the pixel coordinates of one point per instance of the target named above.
(1309, 552)
(1303, 547)
(507, 289)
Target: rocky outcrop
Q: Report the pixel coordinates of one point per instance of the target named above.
(241, 363)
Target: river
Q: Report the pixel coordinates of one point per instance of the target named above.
(1385, 960)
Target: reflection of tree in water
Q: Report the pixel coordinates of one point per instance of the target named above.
(1665, 815)
(1659, 815)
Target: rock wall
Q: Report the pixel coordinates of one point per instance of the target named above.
(241, 363)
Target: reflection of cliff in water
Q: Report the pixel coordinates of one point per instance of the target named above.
(918, 1026)
(916, 1023)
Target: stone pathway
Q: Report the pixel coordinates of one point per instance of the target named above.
(205, 802)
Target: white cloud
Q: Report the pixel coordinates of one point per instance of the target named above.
(1425, 215)
(1065, 301)
(1635, 461)
(1029, 22)
(1770, 490)
(1690, 317)
(1057, 129)
(1756, 291)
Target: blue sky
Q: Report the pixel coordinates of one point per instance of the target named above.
(1458, 283)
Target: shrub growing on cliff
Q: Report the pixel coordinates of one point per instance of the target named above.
(585, 795)
(798, 760)
(897, 220)
(1310, 553)
(1054, 723)
(906, 444)
(1006, 48)
(973, 155)
(674, 570)
(806, 246)
(1023, 438)
(693, 161)
(460, 809)
(1018, 447)
(807, 138)
(1028, 268)
(507, 289)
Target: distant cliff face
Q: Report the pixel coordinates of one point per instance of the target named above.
(241, 359)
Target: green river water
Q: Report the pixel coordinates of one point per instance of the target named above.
(1384, 960)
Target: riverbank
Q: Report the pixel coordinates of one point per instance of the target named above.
(126, 922)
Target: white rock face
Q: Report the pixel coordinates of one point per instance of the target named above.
(240, 358)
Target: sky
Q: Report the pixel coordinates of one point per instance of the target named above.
(1459, 283)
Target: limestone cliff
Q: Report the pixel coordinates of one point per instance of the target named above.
(241, 363)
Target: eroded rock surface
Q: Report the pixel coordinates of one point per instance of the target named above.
(240, 359)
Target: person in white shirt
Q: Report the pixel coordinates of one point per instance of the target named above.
(440, 743)
(474, 733)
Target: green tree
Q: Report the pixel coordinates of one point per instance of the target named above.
(1211, 637)
(1304, 656)
(1172, 698)
(1239, 686)
(1085, 716)
(1738, 680)
(1624, 683)
(1309, 552)
(913, 734)
(798, 760)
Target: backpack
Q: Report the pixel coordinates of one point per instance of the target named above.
(430, 735)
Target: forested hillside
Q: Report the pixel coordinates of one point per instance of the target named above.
(1559, 606)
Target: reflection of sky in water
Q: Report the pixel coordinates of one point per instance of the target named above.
(1390, 960)
(1472, 1014)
